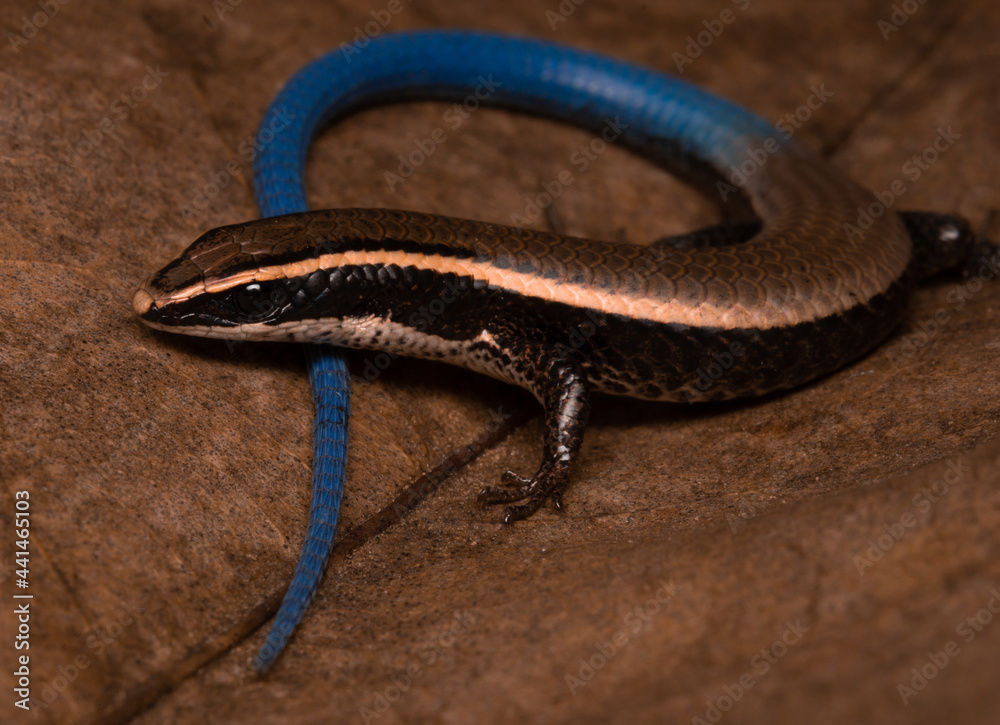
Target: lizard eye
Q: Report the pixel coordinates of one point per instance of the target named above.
(250, 299)
(949, 233)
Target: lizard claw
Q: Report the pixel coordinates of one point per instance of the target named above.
(544, 485)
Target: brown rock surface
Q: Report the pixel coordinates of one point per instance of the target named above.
(169, 477)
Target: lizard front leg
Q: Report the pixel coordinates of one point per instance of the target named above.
(557, 381)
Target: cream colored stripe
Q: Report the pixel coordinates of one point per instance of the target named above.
(576, 295)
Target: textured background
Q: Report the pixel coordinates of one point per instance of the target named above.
(169, 477)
